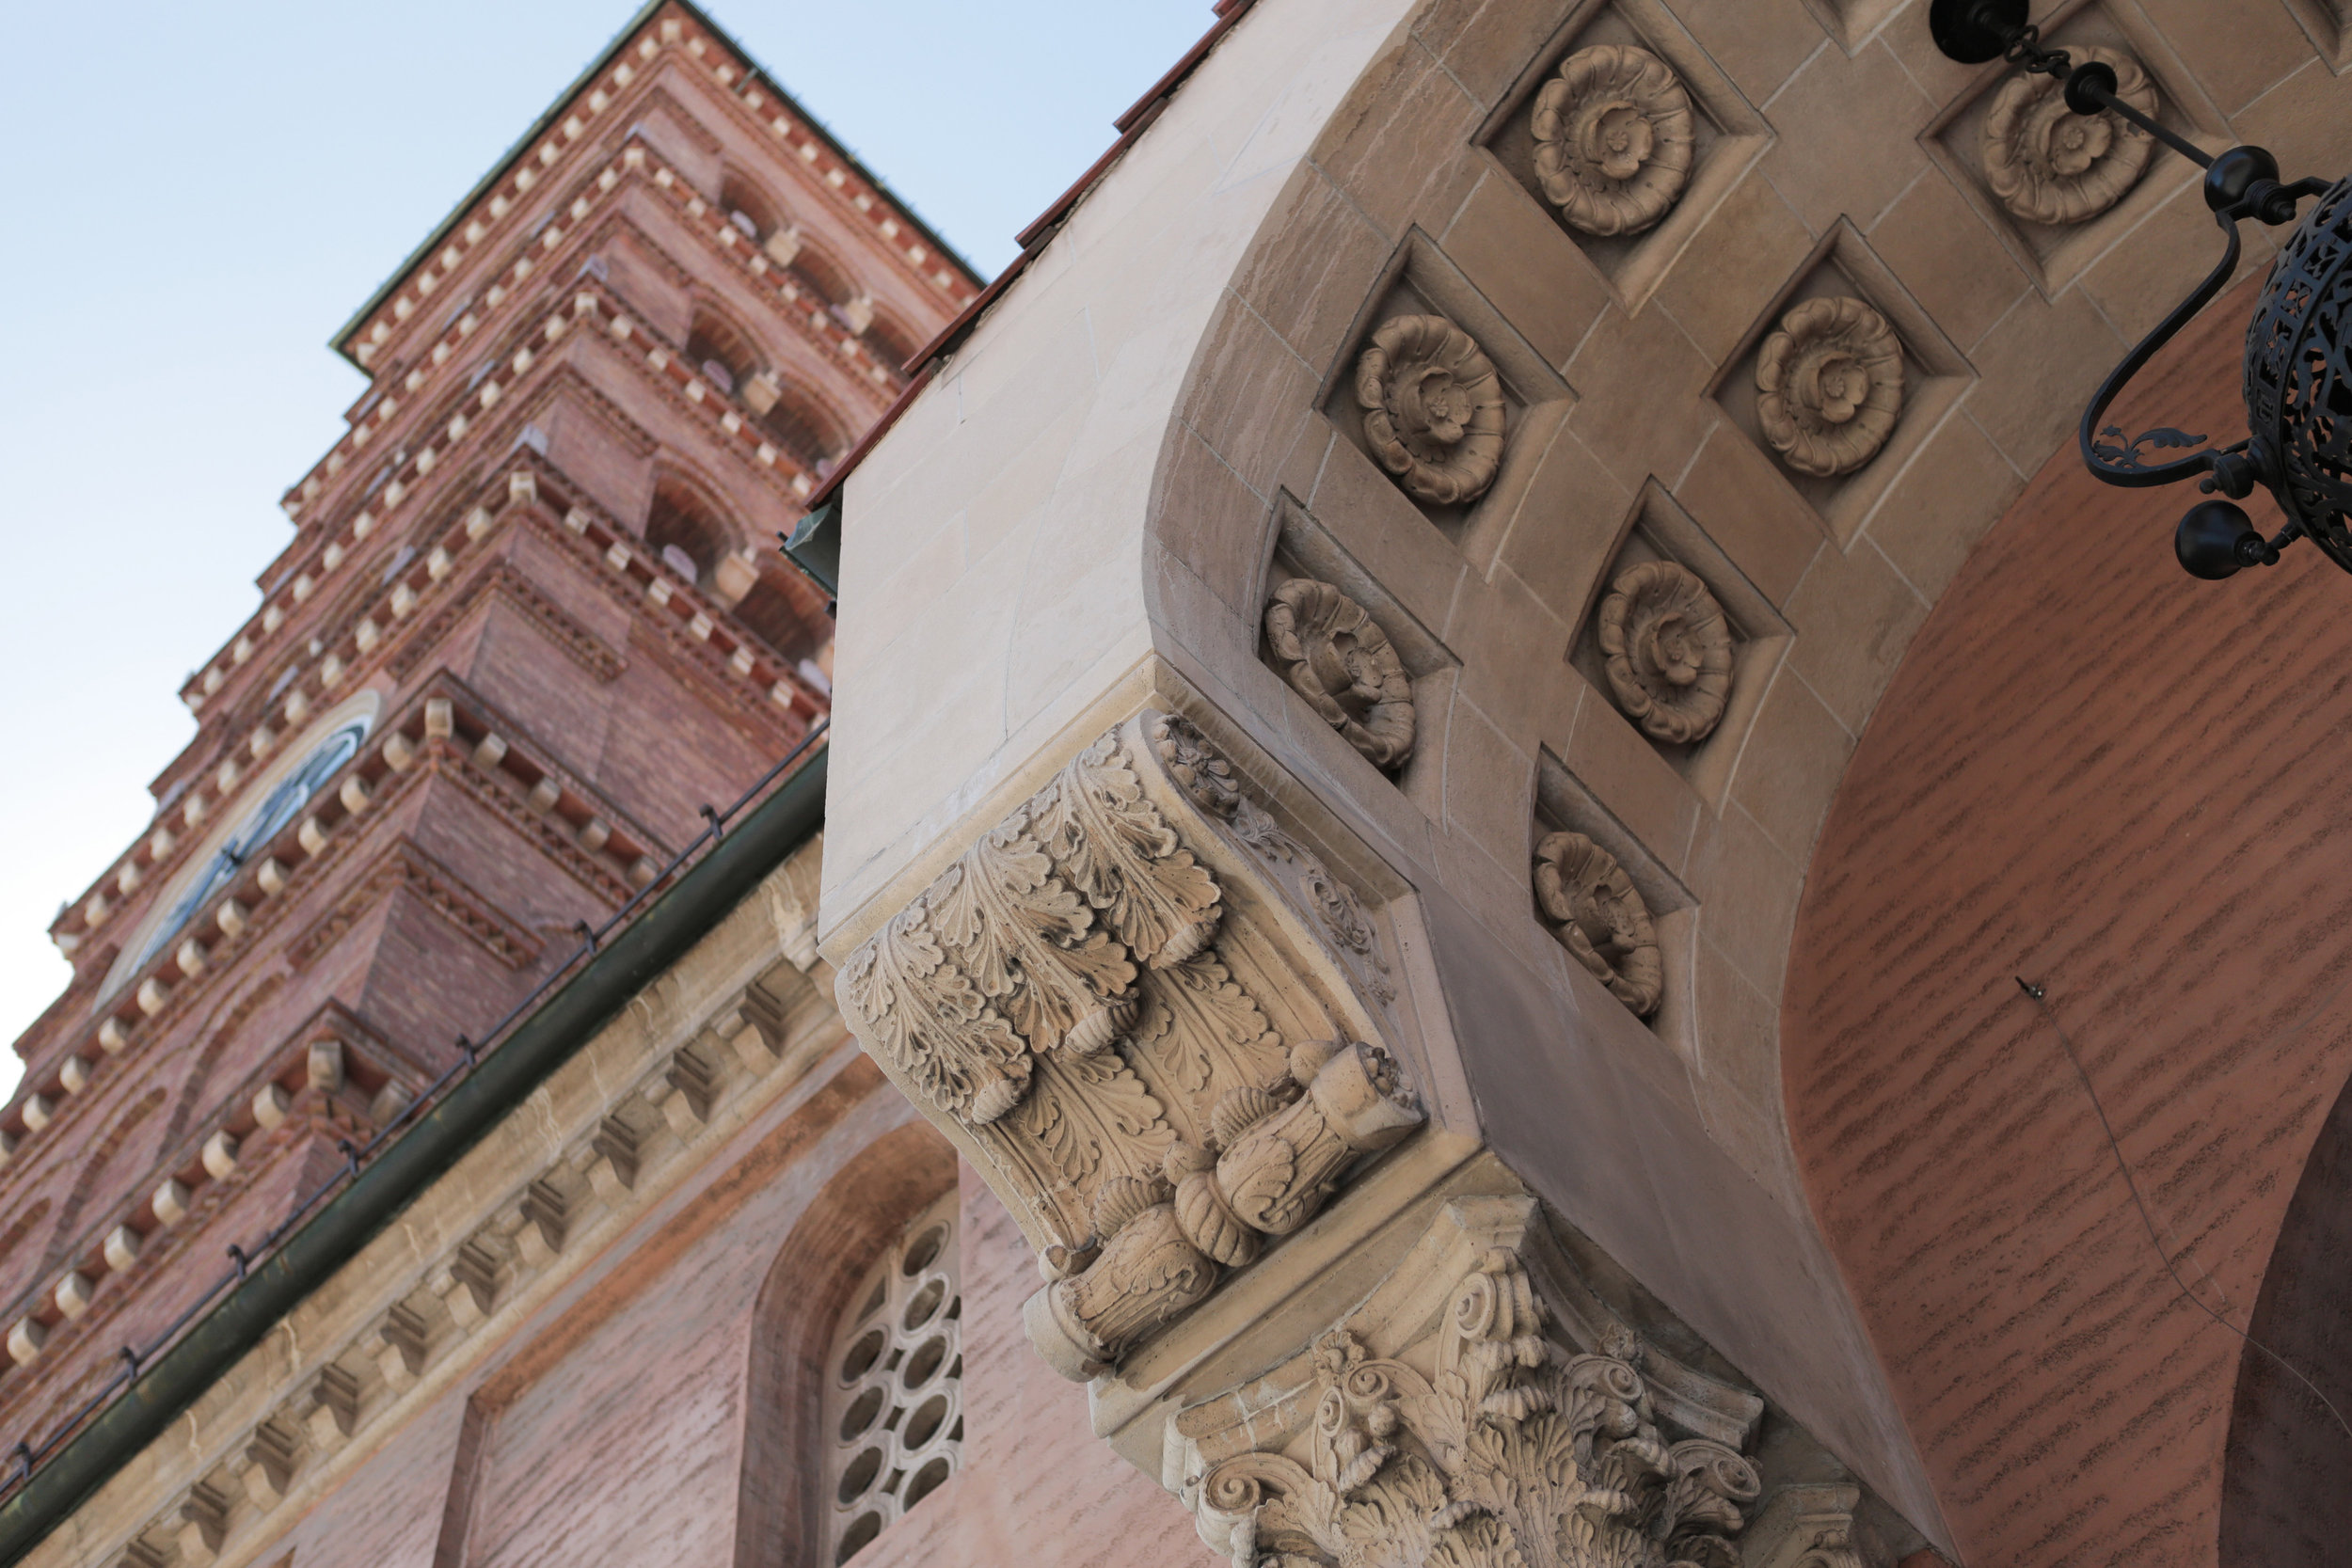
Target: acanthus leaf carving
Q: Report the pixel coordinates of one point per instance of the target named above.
(924, 1017)
(1025, 938)
(1282, 1165)
(1208, 778)
(1505, 1448)
(1057, 993)
(1116, 849)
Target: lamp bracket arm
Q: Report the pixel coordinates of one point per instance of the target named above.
(2105, 451)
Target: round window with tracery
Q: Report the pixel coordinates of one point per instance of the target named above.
(894, 1402)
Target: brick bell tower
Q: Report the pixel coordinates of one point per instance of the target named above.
(530, 620)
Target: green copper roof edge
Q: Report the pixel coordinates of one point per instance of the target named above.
(669, 926)
(340, 341)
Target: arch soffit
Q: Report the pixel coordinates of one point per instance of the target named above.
(860, 1211)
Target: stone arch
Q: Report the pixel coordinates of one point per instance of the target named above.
(825, 273)
(860, 1212)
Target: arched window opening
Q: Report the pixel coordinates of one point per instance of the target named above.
(687, 537)
(784, 610)
(720, 353)
(893, 1416)
(893, 341)
(747, 208)
(821, 273)
(805, 428)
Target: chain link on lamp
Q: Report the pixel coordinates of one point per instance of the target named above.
(2299, 348)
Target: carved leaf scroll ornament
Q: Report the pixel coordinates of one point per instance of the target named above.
(1513, 1454)
(1612, 139)
(1668, 648)
(1030, 942)
(1335, 655)
(1433, 409)
(1600, 918)
(1830, 386)
(2050, 165)
(1275, 1158)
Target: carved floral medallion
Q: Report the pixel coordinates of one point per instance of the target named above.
(1830, 386)
(2050, 165)
(1335, 655)
(1433, 409)
(1668, 648)
(1600, 918)
(1505, 1449)
(1612, 139)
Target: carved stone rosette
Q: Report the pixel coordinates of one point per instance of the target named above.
(1148, 1085)
(1335, 655)
(1612, 139)
(1482, 1439)
(1830, 386)
(2050, 165)
(1668, 648)
(1600, 918)
(1433, 409)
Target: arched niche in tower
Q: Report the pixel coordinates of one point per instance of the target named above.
(686, 529)
(749, 207)
(721, 352)
(822, 272)
(893, 340)
(805, 426)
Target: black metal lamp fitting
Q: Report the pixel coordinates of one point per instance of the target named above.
(2299, 347)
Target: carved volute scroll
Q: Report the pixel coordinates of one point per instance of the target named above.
(1335, 655)
(1155, 1090)
(2050, 165)
(1600, 918)
(1668, 649)
(1489, 1435)
(1433, 409)
(1612, 139)
(1830, 386)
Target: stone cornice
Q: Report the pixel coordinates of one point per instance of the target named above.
(403, 866)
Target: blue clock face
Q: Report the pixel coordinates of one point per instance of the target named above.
(283, 803)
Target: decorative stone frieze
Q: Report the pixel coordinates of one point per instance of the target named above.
(1335, 655)
(1482, 1407)
(2050, 165)
(1434, 413)
(1668, 648)
(1830, 386)
(1601, 917)
(1113, 997)
(1613, 141)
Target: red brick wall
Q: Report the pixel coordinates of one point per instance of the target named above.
(2126, 785)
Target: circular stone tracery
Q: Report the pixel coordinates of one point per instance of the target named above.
(1669, 650)
(1612, 139)
(2050, 165)
(1433, 409)
(1335, 655)
(1829, 385)
(1600, 918)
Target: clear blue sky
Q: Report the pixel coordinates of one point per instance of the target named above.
(198, 195)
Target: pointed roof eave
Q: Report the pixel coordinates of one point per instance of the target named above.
(342, 340)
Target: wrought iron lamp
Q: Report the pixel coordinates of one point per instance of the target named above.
(2299, 348)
